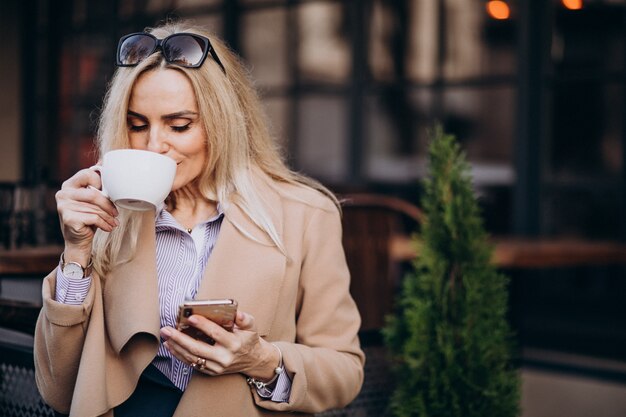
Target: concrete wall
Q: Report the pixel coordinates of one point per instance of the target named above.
(10, 100)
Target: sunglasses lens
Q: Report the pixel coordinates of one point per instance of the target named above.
(135, 49)
(185, 50)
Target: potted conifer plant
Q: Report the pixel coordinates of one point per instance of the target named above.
(450, 341)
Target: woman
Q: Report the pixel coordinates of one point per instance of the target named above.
(237, 224)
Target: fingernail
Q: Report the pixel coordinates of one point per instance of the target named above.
(117, 222)
(166, 333)
(193, 320)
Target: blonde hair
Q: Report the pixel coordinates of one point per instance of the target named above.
(238, 138)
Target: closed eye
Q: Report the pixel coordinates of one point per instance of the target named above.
(137, 128)
(180, 128)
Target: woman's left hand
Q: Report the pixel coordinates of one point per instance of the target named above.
(243, 350)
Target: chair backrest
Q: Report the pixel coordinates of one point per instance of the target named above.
(370, 224)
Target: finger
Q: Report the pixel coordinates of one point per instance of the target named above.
(245, 321)
(211, 329)
(89, 196)
(180, 352)
(77, 216)
(189, 354)
(82, 179)
(95, 199)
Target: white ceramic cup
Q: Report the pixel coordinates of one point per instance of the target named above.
(136, 180)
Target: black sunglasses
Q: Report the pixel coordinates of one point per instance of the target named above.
(182, 49)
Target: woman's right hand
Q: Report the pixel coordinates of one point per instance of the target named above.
(81, 211)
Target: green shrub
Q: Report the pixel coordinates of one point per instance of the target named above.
(450, 340)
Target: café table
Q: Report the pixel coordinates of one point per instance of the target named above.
(21, 273)
(528, 253)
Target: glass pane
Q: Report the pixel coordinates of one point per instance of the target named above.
(591, 213)
(182, 4)
(590, 39)
(406, 40)
(483, 119)
(126, 8)
(263, 41)
(94, 65)
(397, 136)
(211, 22)
(42, 13)
(261, 2)
(277, 110)
(68, 73)
(80, 11)
(323, 48)
(403, 40)
(587, 131)
(41, 75)
(322, 137)
(475, 44)
(156, 6)
(76, 144)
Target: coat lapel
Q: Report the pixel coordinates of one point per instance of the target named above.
(245, 263)
(131, 298)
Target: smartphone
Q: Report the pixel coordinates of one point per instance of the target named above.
(221, 311)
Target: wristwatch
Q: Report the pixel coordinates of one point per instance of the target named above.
(74, 270)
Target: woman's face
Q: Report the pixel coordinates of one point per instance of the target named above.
(163, 117)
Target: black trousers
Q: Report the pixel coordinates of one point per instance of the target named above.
(155, 396)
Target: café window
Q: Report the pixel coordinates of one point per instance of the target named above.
(351, 88)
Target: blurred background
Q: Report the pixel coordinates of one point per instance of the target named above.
(533, 89)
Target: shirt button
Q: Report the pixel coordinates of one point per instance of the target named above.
(185, 371)
(77, 297)
(62, 293)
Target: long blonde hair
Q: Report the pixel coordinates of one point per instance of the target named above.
(238, 141)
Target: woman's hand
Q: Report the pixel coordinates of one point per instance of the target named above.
(240, 351)
(81, 211)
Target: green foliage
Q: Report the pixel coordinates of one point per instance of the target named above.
(450, 340)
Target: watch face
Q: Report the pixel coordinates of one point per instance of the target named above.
(73, 270)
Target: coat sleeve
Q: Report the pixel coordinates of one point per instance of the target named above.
(59, 339)
(326, 361)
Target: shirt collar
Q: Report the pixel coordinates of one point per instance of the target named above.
(165, 220)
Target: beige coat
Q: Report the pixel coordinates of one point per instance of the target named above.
(88, 358)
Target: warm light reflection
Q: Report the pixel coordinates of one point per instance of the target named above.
(573, 4)
(498, 9)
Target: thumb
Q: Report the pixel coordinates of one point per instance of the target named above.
(245, 321)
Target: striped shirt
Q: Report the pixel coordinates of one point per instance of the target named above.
(181, 260)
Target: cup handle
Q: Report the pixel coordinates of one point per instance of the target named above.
(98, 169)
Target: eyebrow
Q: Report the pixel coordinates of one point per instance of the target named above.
(177, 115)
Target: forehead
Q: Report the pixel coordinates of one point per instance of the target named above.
(163, 91)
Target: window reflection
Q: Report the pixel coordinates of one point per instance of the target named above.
(322, 137)
(277, 113)
(195, 3)
(323, 49)
(483, 120)
(211, 22)
(588, 130)
(413, 39)
(263, 41)
(403, 39)
(385, 159)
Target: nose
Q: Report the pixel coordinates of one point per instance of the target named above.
(157, 141)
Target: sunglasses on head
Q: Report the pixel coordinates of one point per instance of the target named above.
(183, 49)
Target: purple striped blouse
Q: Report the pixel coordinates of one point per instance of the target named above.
(181, 260)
